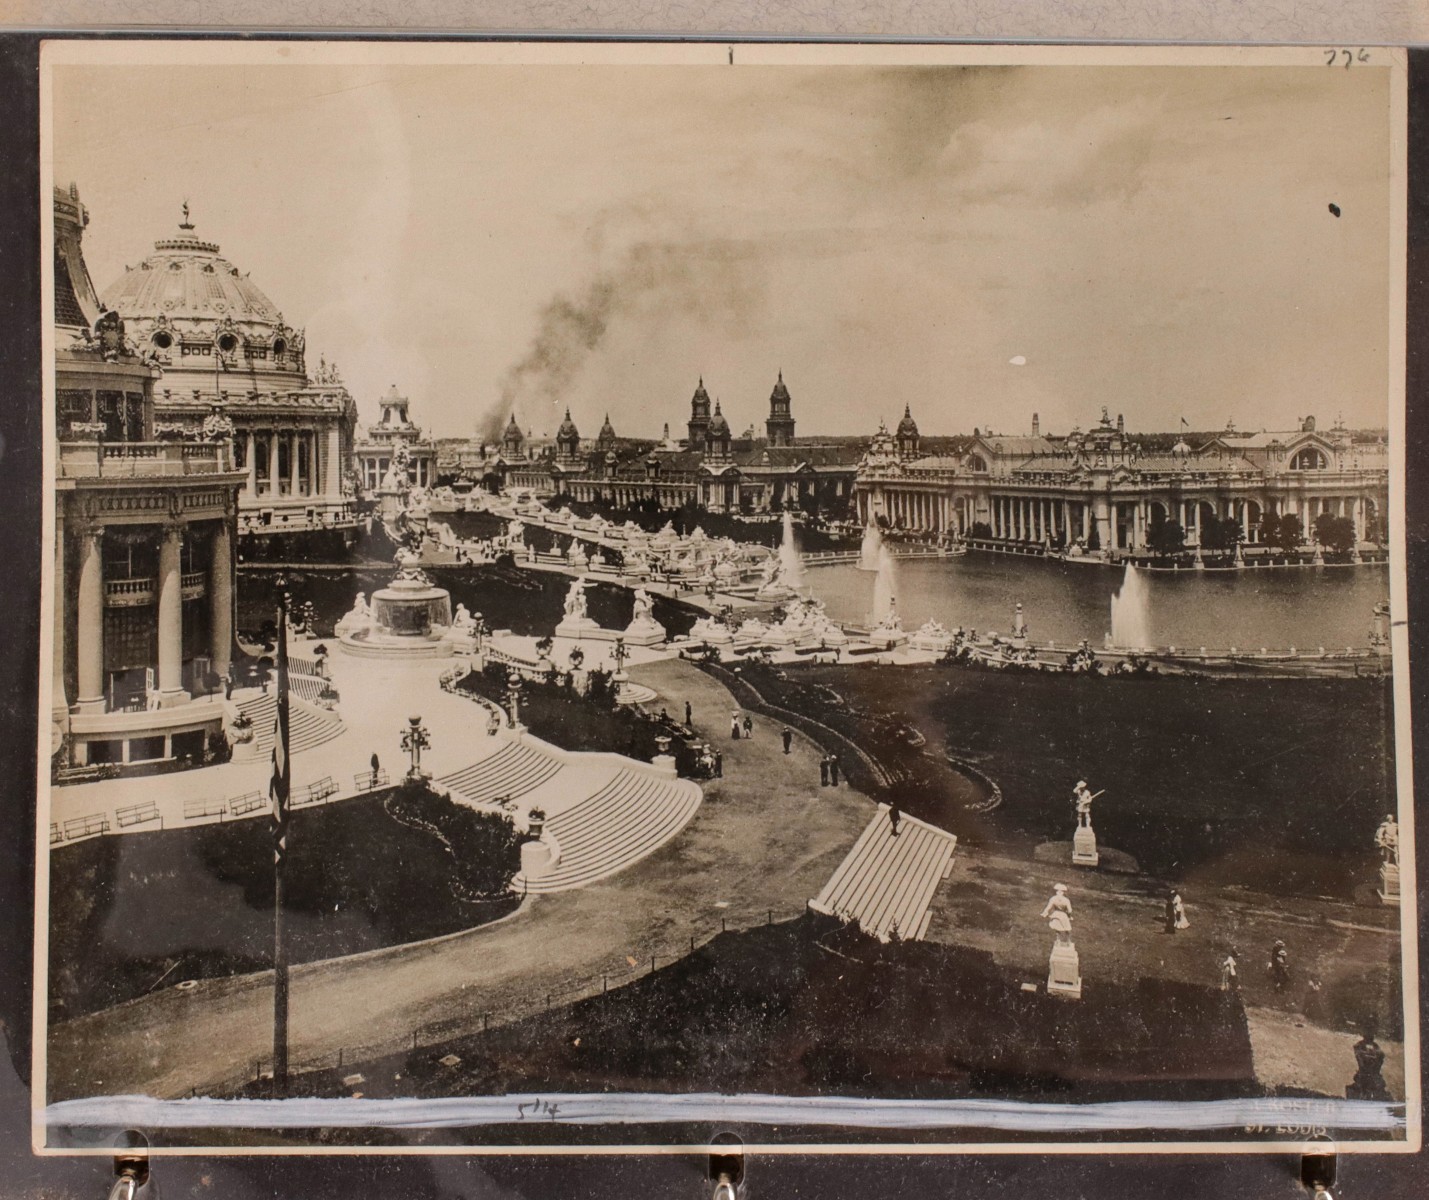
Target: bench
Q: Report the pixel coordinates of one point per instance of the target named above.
(136, 814)
(314, 793)
(365, 781)
(246, 803)
(56, 835)
(79, 827)
(195, 810)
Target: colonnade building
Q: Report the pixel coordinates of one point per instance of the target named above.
(374, 450)
(222, 343)
(144, 541)
(1102, 491)
(713, 470)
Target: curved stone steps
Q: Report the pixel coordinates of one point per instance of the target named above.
(514, 770)
(631, 817)
(308, 725)
(886, 881)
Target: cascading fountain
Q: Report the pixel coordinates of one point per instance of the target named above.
(872, 543)
(1130, 609)
(792, 566)
(885, 586)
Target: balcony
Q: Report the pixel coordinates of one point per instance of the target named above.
(192, 584)
(128, 593)
(142, 460)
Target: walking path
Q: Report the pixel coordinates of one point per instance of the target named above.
(764, 840)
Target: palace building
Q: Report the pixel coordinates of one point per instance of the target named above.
(222, 343)
(374, 450)
(713, 470)
(144, 540)
(1100, 489)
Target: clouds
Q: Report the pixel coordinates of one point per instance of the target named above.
(1156, 239)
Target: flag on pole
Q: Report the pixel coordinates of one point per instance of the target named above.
(279, 787)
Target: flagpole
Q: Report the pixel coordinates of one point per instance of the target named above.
(280, 794)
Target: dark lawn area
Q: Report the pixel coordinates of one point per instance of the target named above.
(812, 1008)
(146, 910)
(561, 716)
(1271, 784)
(526, 602)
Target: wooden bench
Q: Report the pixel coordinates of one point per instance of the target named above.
(80, 827)
(365, 781)
(136, 814)
(314, 793)
(195, 810)
(246, 803)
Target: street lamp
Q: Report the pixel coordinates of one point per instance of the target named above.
(513, 696)
(414, 741)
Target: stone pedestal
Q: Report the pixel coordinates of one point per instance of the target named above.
(648, 632)
(1389, 884)
(664, 764)
(1064, 972)
(577, 628)
(535, 858)
(1084, 847)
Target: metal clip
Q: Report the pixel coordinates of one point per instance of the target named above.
(726, 1166)
(131, 1170)
(1318, 1162)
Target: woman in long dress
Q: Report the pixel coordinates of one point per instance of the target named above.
(1179, 909)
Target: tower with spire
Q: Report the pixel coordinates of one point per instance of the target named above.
(779, 428)
(568, 442)
(717, 438)
(699, 416)
(907, 435)
(513, 441)
(605, 439)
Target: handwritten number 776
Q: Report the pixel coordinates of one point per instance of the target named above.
(1350, 57)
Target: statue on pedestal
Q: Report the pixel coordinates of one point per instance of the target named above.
(1386, 838)
(576, 600)
(644, 606)
(1058, 914)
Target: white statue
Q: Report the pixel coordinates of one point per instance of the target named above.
(359, 616)
(462, 618)
(1386, 837)
(644, 607)
(1019, 624)
(576, 600)
(1083, 798)
(1058, 914)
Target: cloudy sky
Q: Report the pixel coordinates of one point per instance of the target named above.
(1158, 240)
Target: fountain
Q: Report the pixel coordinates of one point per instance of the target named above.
(1130, 628)
(885, 586)
(409, 618)
(789, 560)
(872, 543)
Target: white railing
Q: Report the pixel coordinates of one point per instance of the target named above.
(142, 459)
(128, 593)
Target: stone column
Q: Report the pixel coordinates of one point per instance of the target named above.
(251, 462)
(295, 439)
(220, 598)
(89, 629)
(59, 702)
(272, 462)
(171, 619)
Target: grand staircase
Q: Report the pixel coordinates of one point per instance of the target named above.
(308, 725)
(630, 817)
(514, 770)
(886, 882)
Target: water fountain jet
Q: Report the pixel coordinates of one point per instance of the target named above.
(1130, 612)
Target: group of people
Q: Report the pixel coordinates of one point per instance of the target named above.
(740, 726)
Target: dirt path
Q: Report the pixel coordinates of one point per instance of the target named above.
(765, 839)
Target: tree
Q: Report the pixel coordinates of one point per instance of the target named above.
(1220, 534)
(1269, 524)
(980, 529)
(1166, 537)
(1288, 533)
(1336, 534)
(1094, 538)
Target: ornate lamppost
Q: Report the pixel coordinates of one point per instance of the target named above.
(414, 740)
(513, 697)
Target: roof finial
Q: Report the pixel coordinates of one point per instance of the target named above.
(186, 223)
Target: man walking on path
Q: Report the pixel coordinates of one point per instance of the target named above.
(894, 816)
(734, 725)
(824, 772)
(748, 726)
(376, 766)
(833, 770)
(689, 715)
(718, 764)
(788, 737)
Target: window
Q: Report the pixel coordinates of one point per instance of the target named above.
(976, 462)
(227, 343)
(162, 340)
(1309, 459)
(279, 347)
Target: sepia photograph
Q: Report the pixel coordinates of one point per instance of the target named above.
(601, 593)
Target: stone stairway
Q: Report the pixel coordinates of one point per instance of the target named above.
(514, 770)
(308, 725)
(630, 817)
(887, 882)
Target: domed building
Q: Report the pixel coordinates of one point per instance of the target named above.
(222, 342)
(375, 451)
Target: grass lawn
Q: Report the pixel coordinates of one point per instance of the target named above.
(809, 1007)
(143, 911)
(1276, 785)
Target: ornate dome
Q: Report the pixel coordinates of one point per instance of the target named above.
(607, 431)
(568, 428)
(907, 427)
(717, 422)
(780, 392)
(186, 299)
